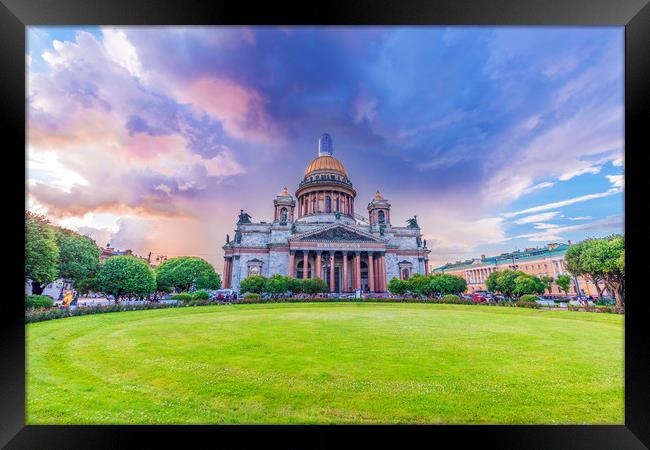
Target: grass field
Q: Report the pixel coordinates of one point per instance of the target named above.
(327, 363)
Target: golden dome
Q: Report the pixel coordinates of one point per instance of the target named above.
(284, 193)
(378, 196)
(325, 163)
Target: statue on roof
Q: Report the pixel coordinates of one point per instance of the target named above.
(227, 238)
(382, 227)
(412, 223)
(244, 217)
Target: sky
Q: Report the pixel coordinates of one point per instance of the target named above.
(497, 138)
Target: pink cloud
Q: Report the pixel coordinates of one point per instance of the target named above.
(240, 109)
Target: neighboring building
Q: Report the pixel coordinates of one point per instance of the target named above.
(110, 251)
(318, 233)
(545, 261)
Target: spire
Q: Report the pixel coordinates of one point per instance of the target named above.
(325, 145)
(285, 192)
(378, 196)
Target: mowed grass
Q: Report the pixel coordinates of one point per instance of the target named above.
(327, 363)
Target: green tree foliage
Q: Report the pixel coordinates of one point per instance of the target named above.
(564, 283)
(126, 275)
(601, 259)
(548, 282)
(254, 284)
(314, 286)
(86, 285)
(397, 286)
(186, 271)
(419, 284)
(78, 256)
(503, 282)
(526, 284)
(41, 252)
(621, 262)
(294, 285)
(445, 283)
(277, 284)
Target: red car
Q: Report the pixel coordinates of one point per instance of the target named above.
(478, 298)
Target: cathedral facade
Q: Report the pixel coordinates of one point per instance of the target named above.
(318, 233)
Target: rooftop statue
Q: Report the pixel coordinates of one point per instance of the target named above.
(412, 222)
(244, 217)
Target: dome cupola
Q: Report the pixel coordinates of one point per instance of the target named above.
(325, 188)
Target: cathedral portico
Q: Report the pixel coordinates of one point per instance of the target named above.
(317, 234)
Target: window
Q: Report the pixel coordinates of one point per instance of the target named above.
(381, 217)
(328, 204)
(283, 215)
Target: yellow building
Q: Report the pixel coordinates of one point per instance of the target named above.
(544, 261)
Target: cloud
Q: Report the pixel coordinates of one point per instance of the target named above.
(617, 181)
(537, 217)
(559, 233)
(554, 205)
(240, 109)
(120, 50)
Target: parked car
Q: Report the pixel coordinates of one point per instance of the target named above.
(479, 298)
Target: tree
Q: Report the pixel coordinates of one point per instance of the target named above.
(445, 283)
(548, 283)
(126, 275)
(397, 286)
(294, 285)
(78, 256)
(563, 282)
(503, 282)
(621, 262)
(526, 284)
(314, 286)
(419, 284)
(41, 252)
(254, 284)
(277, 284)
(600, 259)
(185, 272)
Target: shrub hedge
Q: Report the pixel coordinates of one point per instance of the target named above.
(42, 314)
(185, 296)
(251, 296)
(528, 298)
(202, 295)
(38, 301)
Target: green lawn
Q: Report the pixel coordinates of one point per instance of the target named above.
(327, 363)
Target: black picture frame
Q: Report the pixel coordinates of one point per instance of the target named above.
(634, 15)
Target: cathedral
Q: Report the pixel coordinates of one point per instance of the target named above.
(318, 233)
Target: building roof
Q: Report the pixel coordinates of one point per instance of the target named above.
(519, 255)
(325, 163)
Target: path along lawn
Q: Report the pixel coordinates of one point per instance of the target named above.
(327, 363)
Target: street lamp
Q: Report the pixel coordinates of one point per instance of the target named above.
(514, 266)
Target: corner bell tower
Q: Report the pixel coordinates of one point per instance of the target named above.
(379, 211)
(284, 205)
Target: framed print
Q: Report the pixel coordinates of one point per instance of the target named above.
(407, 219)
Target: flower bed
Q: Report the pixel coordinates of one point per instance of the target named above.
(42, 314)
